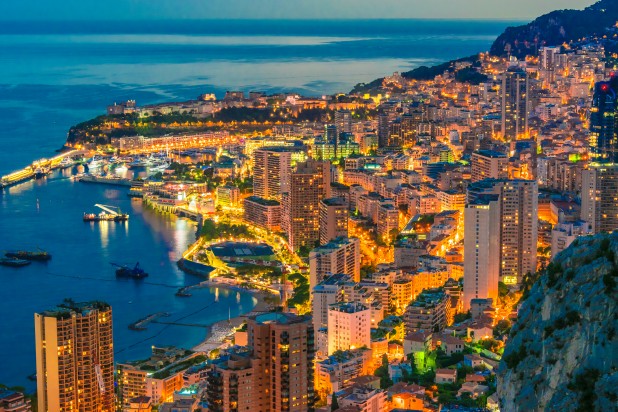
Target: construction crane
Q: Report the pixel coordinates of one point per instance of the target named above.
(110, 209)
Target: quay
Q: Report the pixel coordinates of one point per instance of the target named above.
(29, 172)
(108, 180)
(142, 323)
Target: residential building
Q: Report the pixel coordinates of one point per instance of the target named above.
(336, 371)
(324, 294)
(157, 377)
(516, 105)
(600, 197)
(309, 184)
(228, 196)
(11, 401)
(75, 357)
(517, 223)
(333, 219)
(272, 167)
(349, 326)
(481, 249)
(488, 164)
(388, 221)
(430, 311)
(363, 398)
(563, 234)
(341, 255)
(283, 345)
(604, 122)
(264, 213)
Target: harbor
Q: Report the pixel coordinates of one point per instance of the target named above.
(49, 208)
(39, 169)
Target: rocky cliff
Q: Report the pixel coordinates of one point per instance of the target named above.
(562, 353)
(556, 28)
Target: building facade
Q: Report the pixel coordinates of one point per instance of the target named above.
(75, 358)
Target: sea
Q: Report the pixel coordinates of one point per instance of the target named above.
(56, 74)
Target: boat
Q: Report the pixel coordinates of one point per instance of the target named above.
(14, 262)
(124, 271)
(95, 163)
(39, 255)
(40, 172)
(109, 214)
(67, 162)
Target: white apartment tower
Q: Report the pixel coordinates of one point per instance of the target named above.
(349, 326)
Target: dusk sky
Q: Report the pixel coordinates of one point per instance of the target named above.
(279, 9)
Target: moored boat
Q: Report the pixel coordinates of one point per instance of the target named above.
(14, 262)
(40, 255)
(125, 271)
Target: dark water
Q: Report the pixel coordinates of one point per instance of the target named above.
(47, 214)
(54, 75)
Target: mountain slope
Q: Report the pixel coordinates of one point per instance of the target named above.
(556, 28)
(562, 354)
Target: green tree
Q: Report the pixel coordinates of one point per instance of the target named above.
(334, 404)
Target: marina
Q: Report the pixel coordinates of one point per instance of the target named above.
(81, 266)
(108, 214)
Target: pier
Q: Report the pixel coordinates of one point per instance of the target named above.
(29, 171)
(142, 323)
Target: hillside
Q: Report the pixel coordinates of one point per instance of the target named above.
(556, 28)
(562, 353)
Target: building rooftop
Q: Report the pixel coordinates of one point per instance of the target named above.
(491, 153)
(69, 307)
(278, 318)
(348, 307)
(262, 201)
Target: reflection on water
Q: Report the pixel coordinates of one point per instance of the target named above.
(80, 268)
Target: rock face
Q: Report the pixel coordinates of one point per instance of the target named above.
(562, 353)
(556, 28)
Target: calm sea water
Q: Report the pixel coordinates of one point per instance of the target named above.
(54, 75)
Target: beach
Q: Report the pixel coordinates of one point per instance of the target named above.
(220, 331)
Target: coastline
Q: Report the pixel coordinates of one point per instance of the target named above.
(219, 332)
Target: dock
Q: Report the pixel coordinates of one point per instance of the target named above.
(29, 172)
(141, 324)
(108, 180)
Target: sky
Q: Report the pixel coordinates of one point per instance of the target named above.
(279, 9)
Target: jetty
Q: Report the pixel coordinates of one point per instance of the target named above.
(30, 172)
(141, 324)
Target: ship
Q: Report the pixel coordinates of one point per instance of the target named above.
(108, 214)
(40, 172)
(14, 262)
(124, 271)
(39, 255)
(95, 163)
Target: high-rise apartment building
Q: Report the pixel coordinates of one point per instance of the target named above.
(600, 197)
(383, 130)
(283, 343)
(341, 255)
(343, 121)
(324, 294)
(271, 172)
(309, 184)
(481, 249)
(518, 224)
(488, 164)
(264, 213)
(515, 104)
(604, 122)
(75, 358)
(333, 219)
(275, 373)
(349, 326)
